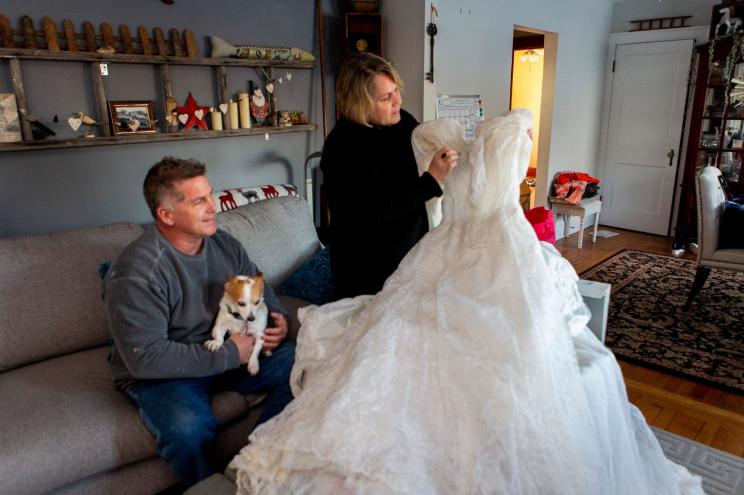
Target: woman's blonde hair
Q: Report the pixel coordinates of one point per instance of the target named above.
(355, 94)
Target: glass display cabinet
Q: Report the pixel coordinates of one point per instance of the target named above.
(717, 117)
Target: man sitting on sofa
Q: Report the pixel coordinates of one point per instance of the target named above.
(161, 295)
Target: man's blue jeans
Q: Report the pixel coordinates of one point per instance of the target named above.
(178, 414)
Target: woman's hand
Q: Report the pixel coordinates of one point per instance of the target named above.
(443, 163)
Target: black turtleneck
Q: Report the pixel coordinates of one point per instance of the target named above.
(376, 200)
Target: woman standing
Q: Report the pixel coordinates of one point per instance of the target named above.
(376, 196)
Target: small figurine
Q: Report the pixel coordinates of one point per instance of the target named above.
(298, 118)
(727, 25)
(106, 50)
(284, 119)
(259, 106)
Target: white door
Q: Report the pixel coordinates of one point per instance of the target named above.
(645, 126)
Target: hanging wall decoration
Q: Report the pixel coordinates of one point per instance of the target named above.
(191, 114)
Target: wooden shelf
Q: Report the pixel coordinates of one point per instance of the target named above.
(27, 53)
(160, 52)
(150, 138)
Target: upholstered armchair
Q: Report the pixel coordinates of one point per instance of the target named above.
(711, 202)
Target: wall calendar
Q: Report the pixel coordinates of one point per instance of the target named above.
(466, 109)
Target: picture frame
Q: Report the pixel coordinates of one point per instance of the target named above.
(131, 117)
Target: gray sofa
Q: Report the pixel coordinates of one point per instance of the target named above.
(65, 429)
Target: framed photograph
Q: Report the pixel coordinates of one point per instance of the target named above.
(131, 117)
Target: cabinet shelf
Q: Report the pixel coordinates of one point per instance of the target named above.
(150, 138)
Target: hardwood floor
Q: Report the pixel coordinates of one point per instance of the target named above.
(703, 413)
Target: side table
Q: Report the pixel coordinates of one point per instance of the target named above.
(588, 206)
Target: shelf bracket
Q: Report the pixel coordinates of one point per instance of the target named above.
(20, 93)
(100, 96)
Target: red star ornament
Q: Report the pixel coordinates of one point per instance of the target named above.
(190, 109)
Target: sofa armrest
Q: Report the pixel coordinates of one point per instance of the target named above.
(292, 305)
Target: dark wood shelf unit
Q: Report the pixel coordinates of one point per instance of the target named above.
(363, 32)
(712, 127)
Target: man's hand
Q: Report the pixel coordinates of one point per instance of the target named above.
(245, 346)
(273, 336)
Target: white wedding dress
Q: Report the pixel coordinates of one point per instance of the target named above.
(471, 372)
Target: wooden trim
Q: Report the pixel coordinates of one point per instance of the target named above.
(167, 96)
(529, 42)
(100, 97)
(20, 93)
(689, 406)
(152, 138)
(50, 33)
(25, 53)
(70, 35)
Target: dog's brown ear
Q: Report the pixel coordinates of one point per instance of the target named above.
(230, 282)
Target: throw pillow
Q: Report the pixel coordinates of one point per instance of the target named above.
(312, 281)
(731, 229)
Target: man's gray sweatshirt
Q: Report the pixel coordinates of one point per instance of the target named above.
(161, 303)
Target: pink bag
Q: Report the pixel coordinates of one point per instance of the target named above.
(542, 221)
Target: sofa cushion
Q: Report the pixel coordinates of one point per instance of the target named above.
(278, 234)
(292, 305)
(50, 282)
(63, 421)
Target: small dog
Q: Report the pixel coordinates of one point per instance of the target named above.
(242, 311)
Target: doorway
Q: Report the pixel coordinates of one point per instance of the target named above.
(528, 55)
(646, 119)
(532, 83)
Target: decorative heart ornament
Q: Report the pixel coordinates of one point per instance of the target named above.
(289, 76)
(75, 122)
(223, 107)
(270, 88)
(199, 114)
(183, 118)
(281, 81)
(134, 124)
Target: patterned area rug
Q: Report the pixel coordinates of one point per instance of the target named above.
(723, 473)
(646, 322)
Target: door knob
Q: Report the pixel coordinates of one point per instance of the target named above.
(671, 156)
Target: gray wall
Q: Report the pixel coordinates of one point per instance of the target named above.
(473, 53)
(403, 45)
(625, 11)
(45, 191)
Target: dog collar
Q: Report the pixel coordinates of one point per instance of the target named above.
(234, 314)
